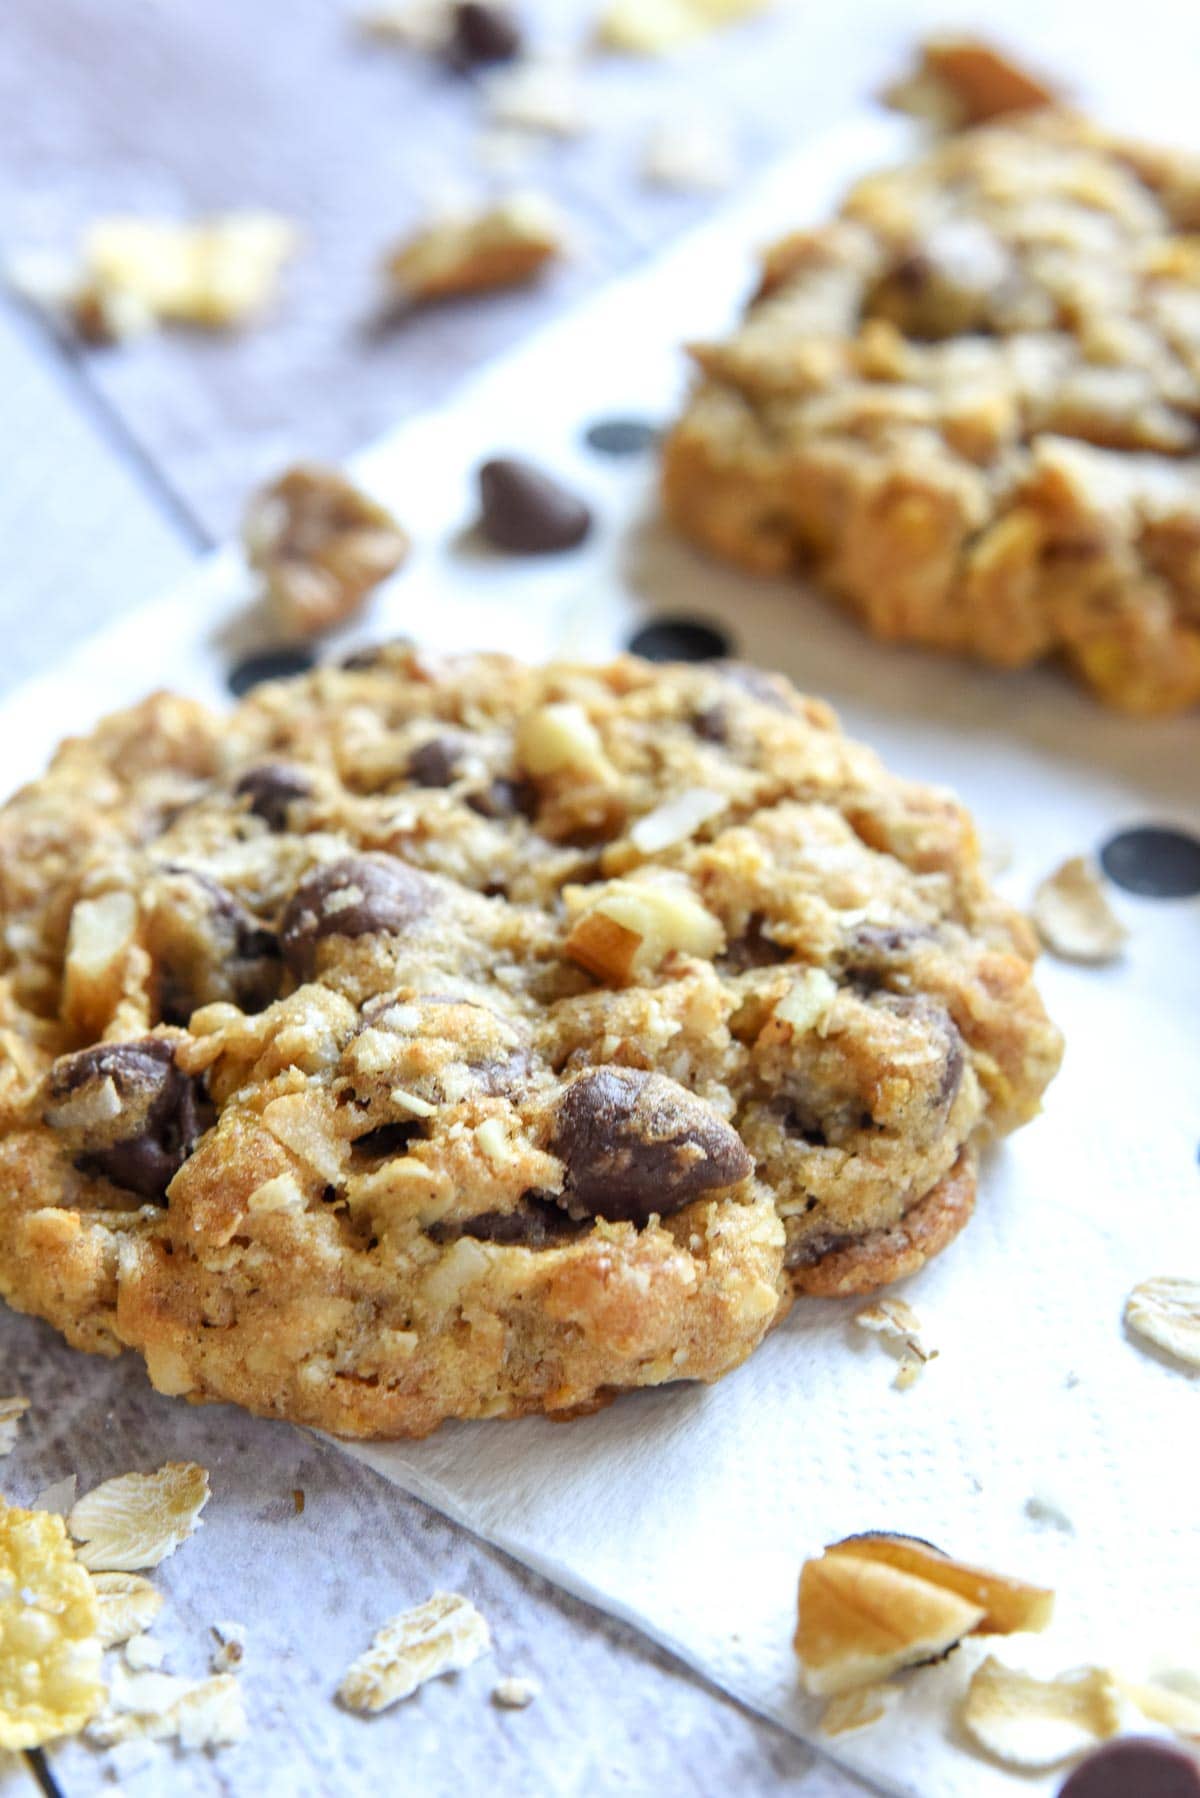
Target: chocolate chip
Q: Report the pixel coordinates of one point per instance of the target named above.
(358, 895)
(209, 947)
(711, 723)
(1137, 1767)
(537, 1223)
(621, 436)
(505, 799)
(435, 763)
(524, 510)
(271, 788)
(483, 34)
(387, 1139)
(161, 1113)
(1155, 861)
(753, 949)
(268, 664)
(680, 640)
(635, 1143)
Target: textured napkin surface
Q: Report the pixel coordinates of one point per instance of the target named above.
(689, 1511)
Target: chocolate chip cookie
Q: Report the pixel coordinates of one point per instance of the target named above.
(434, 1039)
(970, 405)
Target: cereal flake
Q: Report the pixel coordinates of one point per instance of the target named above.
(1038, 1723)
(443, 1635)
(1166, 1312)
(128, 1605)
(138, 1519)
(1073, 916)
(49, 1650)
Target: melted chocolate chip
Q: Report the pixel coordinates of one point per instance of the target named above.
(482, 34)
(753, 949)
(711, 723)
(239, 962)
(537, 1223)
(1137, 1767)
(1155, 861)
(435, 763)
(387, 1139)
(680, 640)
(359, 895)
(505, 799)
(524, 510)
(621, 436)
(162, 1113)
(268, 664)
(635, 1144)
(271, 789)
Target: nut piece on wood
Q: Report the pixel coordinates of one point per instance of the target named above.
(131, 274)
(960, 81)
(321, 546)
(504, 244)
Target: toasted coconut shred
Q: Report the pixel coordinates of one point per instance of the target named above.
(138, 1519)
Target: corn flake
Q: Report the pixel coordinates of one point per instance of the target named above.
(49, 1650)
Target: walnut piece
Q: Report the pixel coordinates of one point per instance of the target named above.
(503, 244)
(321, 545)
(629, 927)
(961, 81)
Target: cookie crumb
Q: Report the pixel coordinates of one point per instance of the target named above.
(1166, 1312)
(515, 1694)
(412, 24)
(1073, 916)
(900, 1329)
(128, 1605)
(298, 1500)
(230, 1650)
(159, 1707)
(960, 81)
(12, 1410)
(1043, 1510)
(538, 94)
(322, 546)
(689, 155)
(144, 1654)
(443, 1635)
(138, 1519)
(659, 27)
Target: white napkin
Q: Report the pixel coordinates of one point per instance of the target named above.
(689, 1511)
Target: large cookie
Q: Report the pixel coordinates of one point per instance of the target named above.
(459, 1039)
(971, 406)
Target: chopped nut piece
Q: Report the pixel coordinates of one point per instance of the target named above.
(515, 1694)
(1166, 1312)
(808, 1001)
(1036, 1723)
(12, 1410)
(677, 819)
(857, 1709)
(143, 1654)
(963, 81)
(101, 933)
(138, 1519)
(443, 1635)
(540, 94)
(560, 737)
(656, 27)
(689, 156)
(128, 1605)
(861, 1621)
(629, 927)
(503, 244)
(49, 1650)
(1073, 916)
(321, 545)
(230, 1650)
(1008, 1604)
(133, 273)
(413, 24)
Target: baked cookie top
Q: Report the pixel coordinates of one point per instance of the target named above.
(435, 1038)
(971, 403)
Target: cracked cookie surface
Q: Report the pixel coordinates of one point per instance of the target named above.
(970, 405)
(450, 1038)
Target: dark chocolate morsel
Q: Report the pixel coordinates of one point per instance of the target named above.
(621, 436)
(680, 640)
(482, 33)
(269, 664)
(387, 1139)
(1155, 861)
(434, 763)
(524, 510)
(358, 895)
(162, 1113)
(634, 1144)
(271, 788)
(753, 949)
(1135, 1767)
(503, 798)
(537, 1223)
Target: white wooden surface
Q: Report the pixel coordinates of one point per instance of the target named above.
(114, 466)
